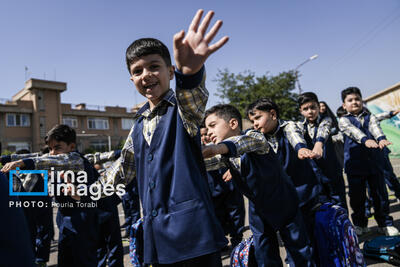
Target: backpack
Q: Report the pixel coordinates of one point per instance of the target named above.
(335, 238)
(385, 248)
(136, 243)
(243, 254)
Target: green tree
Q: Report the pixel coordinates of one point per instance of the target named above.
(244, 88)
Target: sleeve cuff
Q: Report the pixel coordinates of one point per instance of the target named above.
(29, 164)
(391, 114)
(231, 147)
(5, 159)
(189, 81)
(381, 138)
(117, 154)
(299, 146)
(363, 140)
(320, 139)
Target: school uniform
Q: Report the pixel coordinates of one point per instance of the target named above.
(229, 205)
(332, 179)
(163, 151)
(39, 219)
(363, 164)
(131, 205)
(16, 249)
(273, 200)
(78, 226)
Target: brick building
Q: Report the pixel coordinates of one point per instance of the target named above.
(33, 111)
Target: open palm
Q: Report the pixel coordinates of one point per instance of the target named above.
(192, 50)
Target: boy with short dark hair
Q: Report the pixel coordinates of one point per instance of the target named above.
(273, 202)
(317, 133)
(363, 161)
(163, 149)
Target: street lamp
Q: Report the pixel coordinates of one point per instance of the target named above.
(301, 64)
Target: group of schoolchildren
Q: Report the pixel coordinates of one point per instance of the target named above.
(191, 187)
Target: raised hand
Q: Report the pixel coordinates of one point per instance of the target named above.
(384, 143)
(192, 50)
(371, 144)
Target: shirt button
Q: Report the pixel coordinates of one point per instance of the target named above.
(150, 157)
(154, 213)
(152, 185)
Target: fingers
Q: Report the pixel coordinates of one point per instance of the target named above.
(196, 19)
(178, 37)
(206, 21)
(219, 44)
(214, 30)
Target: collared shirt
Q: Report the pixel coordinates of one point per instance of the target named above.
(291, 131)
(251, 142)
(191, 108)
(384, 115)
(323, 126)
(355, 133)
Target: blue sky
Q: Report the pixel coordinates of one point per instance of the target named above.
(83, 43)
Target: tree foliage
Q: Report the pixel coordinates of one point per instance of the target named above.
(244, 88)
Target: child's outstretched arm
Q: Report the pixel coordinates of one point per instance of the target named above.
(192, 50)
(377, 132)
(102, 157)
(296, 139)
(356, 134)
(323, 132)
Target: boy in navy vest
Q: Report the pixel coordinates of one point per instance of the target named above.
(78, 226)
(273, 202)
(317, 133)
(287, 141)
(163, 149)
(363, 161)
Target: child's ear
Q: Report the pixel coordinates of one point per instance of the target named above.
(343, 106)
(273, 114)
(233, 123)
(72, 147)
(171, 72)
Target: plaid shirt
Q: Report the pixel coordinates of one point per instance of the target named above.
(100, 158)
(291, 131)
(384, 115)
(252, 141)
(356, 134)
(323, 126)
(191, 108)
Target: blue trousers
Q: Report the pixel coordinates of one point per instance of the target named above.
(294, 235)
(357, 194)
(131, 205)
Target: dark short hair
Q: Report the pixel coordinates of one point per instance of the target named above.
(263, 104)
(226, 112)
(61, 133)
(349, 91)
(340, 112)
(307, 97)
(146, 46)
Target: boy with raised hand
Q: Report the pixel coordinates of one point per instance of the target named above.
(163, 149)
(317, 133)
(273, 202)
(363, 161)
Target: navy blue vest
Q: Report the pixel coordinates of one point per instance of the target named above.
(305, 174)
(179, 219)
(329, 163)
(217, 185)
(358, 159)
(271, 193)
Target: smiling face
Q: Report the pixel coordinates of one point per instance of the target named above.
(353, 103)
(59, 147)
(151, 76)
(264, 121)
(219, 129)
(310, 111)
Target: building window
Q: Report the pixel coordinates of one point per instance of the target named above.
(98, 123)
(18, 120)
(16, 146)
(99, 146)
(40, 97)
(127, 124)
(71, 122)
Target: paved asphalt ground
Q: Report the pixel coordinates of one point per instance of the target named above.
(394, 208)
